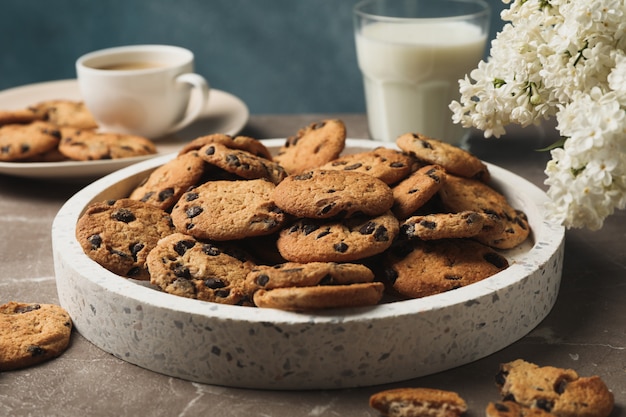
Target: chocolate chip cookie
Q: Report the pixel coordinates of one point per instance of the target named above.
(455, 160)
(443, 225)
(320, 297)
(184, 266)
(416, 190)
(244, 143)
(388, 165)
(416, 268)
(119, 234)
(65, 113)
(312, 146)
(418, 402)
(228, 210)
(89, 145)
(323, 194)
(559, 391)
(242, 163)
(345, 240)
(505, 228)
(31, 333)
(23, 141)
(164, 186)
(293, 274)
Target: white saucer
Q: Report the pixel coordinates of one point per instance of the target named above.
(225, 113)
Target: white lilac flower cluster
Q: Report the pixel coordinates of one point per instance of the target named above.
(563, 59)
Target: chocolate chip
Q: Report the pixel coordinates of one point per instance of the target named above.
(181, 271)
(424, 143)
(214, 283)
(165, 194)
(501, 378)
(191, 196)
(123, 215)
(430, 225)
(368, 228)
(397, 164)
(340, 247)
(327, 208)
(210, 150)
(135, 248)
(193, 211)
(496, 260)
(544, 404)
(381, 234)
(26, 309)
(303, 177)
(352, 167)
(95, 241)
(262, 280)
(210, 250)
(407, 230)
(147, 196)
(323, 233)
(36, 350)
(560, 385)
(308, 228)
(233, 160)
(183, 246)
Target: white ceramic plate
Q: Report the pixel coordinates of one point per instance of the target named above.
(265, 348)
(224, 113)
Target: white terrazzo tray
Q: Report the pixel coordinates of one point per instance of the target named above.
(272, 349)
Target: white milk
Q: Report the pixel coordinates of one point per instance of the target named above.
(411, 73)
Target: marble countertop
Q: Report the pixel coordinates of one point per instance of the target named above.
(585, 331)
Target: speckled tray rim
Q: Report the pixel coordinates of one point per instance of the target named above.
(547, 249)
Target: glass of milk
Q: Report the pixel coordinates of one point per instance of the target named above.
(412, 54)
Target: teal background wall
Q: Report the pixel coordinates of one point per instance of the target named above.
(279, 56)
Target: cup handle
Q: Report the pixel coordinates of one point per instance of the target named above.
(199, 83)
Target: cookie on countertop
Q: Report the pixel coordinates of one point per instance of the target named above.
(294, 274)
(244, 143)
(416, 190)
(18, 116)
(505, 227)
(320, 297)
(119, 234)
(312, 146)
(418, 402)
(455, 160)
(24, 141)
(89, 145)
(388, 165)
(228, 210)
(443, 225)
(417, 268)
(32, 333)
(65, 113)
(512, 409)
(164, 186)
(242, 163)
(323, 194)
(344, 240)
(559, 391)
(183, 266)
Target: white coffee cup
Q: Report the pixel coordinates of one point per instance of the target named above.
(143, 90)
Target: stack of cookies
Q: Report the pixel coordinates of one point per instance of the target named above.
(60, 130)
(308, 228)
